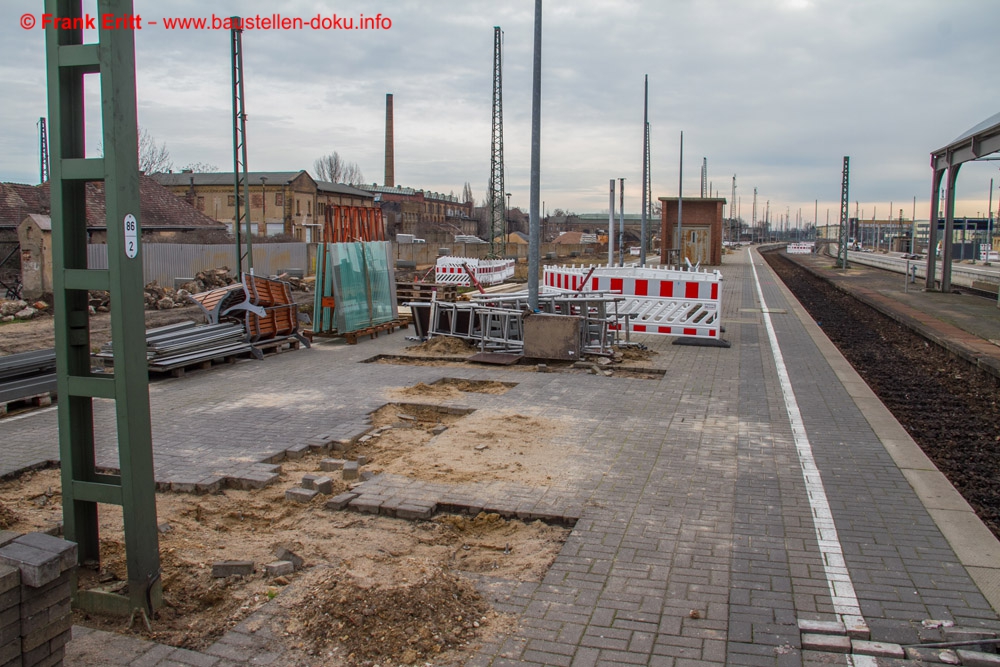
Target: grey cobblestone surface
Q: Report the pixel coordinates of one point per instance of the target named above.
(694, 542)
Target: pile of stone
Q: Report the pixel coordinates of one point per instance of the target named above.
(99, 301)
(297, 283)
(21, 310)
(164, 298)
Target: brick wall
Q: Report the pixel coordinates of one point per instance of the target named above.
(36, 580)
(698, 213)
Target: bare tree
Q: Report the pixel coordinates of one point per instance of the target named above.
(153, 158)
(467, 196)
(336, 170)
(200, 168)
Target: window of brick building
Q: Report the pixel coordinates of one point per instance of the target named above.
(279, 198)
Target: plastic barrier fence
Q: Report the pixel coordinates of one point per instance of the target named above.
(667, 302)
(800, 248)
(450, 270)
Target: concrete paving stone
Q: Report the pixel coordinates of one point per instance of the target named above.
(972, 658)
(365, 505)
(66, 550)
(936, 655)
(329, 465)
(827, 643)
(309, 481)
(228, 568)
(350, 470)
(279, 568)
(300, 495)
(37, 567)
(297, 451)
(340, 501)
(254, 480)
(877, 649)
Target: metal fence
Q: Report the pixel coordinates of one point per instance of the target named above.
(163, 262)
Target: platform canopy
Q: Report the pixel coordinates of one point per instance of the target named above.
(978, 141)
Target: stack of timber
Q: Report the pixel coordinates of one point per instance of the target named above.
(28, 376)
(416, 291)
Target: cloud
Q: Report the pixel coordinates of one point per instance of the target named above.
(775, 91)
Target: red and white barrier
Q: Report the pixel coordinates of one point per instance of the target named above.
(450, 270)
(667, 302)
(800, 248)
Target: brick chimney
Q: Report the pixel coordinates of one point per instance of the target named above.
(390, 178)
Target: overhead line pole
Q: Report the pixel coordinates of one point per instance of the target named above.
(645, 171)
(534, 193)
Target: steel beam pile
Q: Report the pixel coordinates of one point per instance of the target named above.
(186, 343)
(27, 374)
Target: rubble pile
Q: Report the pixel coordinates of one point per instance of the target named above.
(298, 284)
(21, 310)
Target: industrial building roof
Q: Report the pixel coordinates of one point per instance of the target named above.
(158, 207)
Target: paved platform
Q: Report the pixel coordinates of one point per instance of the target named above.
(748, 490)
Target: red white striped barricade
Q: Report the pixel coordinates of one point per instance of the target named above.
(667, 302)
(450, 270)
(800, 248)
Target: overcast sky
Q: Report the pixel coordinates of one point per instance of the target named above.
(773, 91)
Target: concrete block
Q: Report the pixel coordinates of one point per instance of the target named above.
(978, 658)
(856, 627)
(366, 475)
(281, 553)
(297, 451)
(362, 460)
(65, 549)
(38, 567)
(350, 470)
(439, 429)
(329, 465)
(10, 578)
(254, 480)
(9, 651)
(822, 627)
(340, 501)
(960, 634)
(279, 568)
(938, 655)
(365, 505)
(877, 649)
(42, 635)
(8, 536)
(228, 568)
(324, 485)
(48, 596)
(300, 495)
(10, 632)
(414, 510)
(826, 643)
(308, 481)
(340, 444)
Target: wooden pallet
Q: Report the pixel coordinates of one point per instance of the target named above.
(37, 401)
(406, 292)
(374, 331)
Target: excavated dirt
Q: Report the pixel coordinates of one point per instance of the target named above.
(478, 447)
(374, 590)
(951, 409)
(443, 346)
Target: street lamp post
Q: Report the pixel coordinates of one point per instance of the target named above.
(507, 226)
